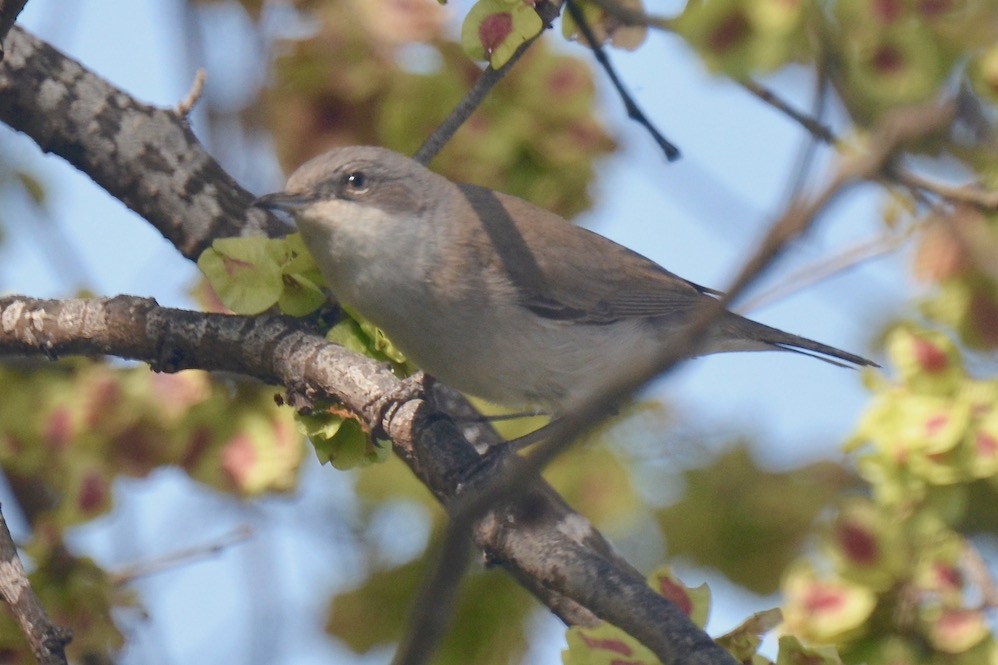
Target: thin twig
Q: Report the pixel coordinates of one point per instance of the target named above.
(817, 272)
(47, 640)
(181, 557)
(548, 11)
(970, 194)
(185, 105)
(431, 611)
(807, 154)
(633, 111)
(631, 15)
(827, 267)
(812, 125)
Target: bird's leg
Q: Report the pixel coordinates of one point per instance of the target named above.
(530, 438)
(497, 417)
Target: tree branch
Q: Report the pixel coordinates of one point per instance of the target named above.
(9, 10)
(634, 112)
(549, 549)
(142, 155)
(490, 78)
(46, 639)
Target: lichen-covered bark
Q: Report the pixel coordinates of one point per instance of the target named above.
(145, 156)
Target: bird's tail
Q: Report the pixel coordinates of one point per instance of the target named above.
(736, 333)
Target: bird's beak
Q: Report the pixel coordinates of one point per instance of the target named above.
(283, 201)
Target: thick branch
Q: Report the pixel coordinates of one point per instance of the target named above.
(554, 552)
(145, 156)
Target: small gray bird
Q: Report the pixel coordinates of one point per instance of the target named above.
(493, 295)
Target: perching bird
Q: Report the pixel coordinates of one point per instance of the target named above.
(491, 294)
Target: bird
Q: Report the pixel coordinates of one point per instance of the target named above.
(492, 295)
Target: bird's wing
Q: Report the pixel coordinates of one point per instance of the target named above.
(569, 273)
(564, 274)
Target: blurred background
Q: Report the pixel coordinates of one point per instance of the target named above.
(721, 468)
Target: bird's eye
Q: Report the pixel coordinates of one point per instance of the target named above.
(355, 181)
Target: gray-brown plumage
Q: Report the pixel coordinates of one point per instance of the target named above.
(491, 294)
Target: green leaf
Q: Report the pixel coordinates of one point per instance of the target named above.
(244, 272)
(744, 521)
(348, 334)
(379, 342)
(296, 258)
(360, 335)
(494, 29)
(341, 440)
(824, 608)
(743, 641)
(693, 601)
(301, 295)
(252, 274)
(792, 652)
(604, 644)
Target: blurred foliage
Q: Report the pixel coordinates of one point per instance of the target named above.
(605, 26)
(93, 421)
(878, 53)
(746, 522)
(535, 136)
(489, 622)
(893, 579)
(68, 429)
(958, 250)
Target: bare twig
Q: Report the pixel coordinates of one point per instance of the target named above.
(807, 152)
(47, 640)
(811, 124)
(185, 105)
(181, 557)
(548, 11)
(632, 15)
(633, 111)
(970, 194)
(827, 267)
